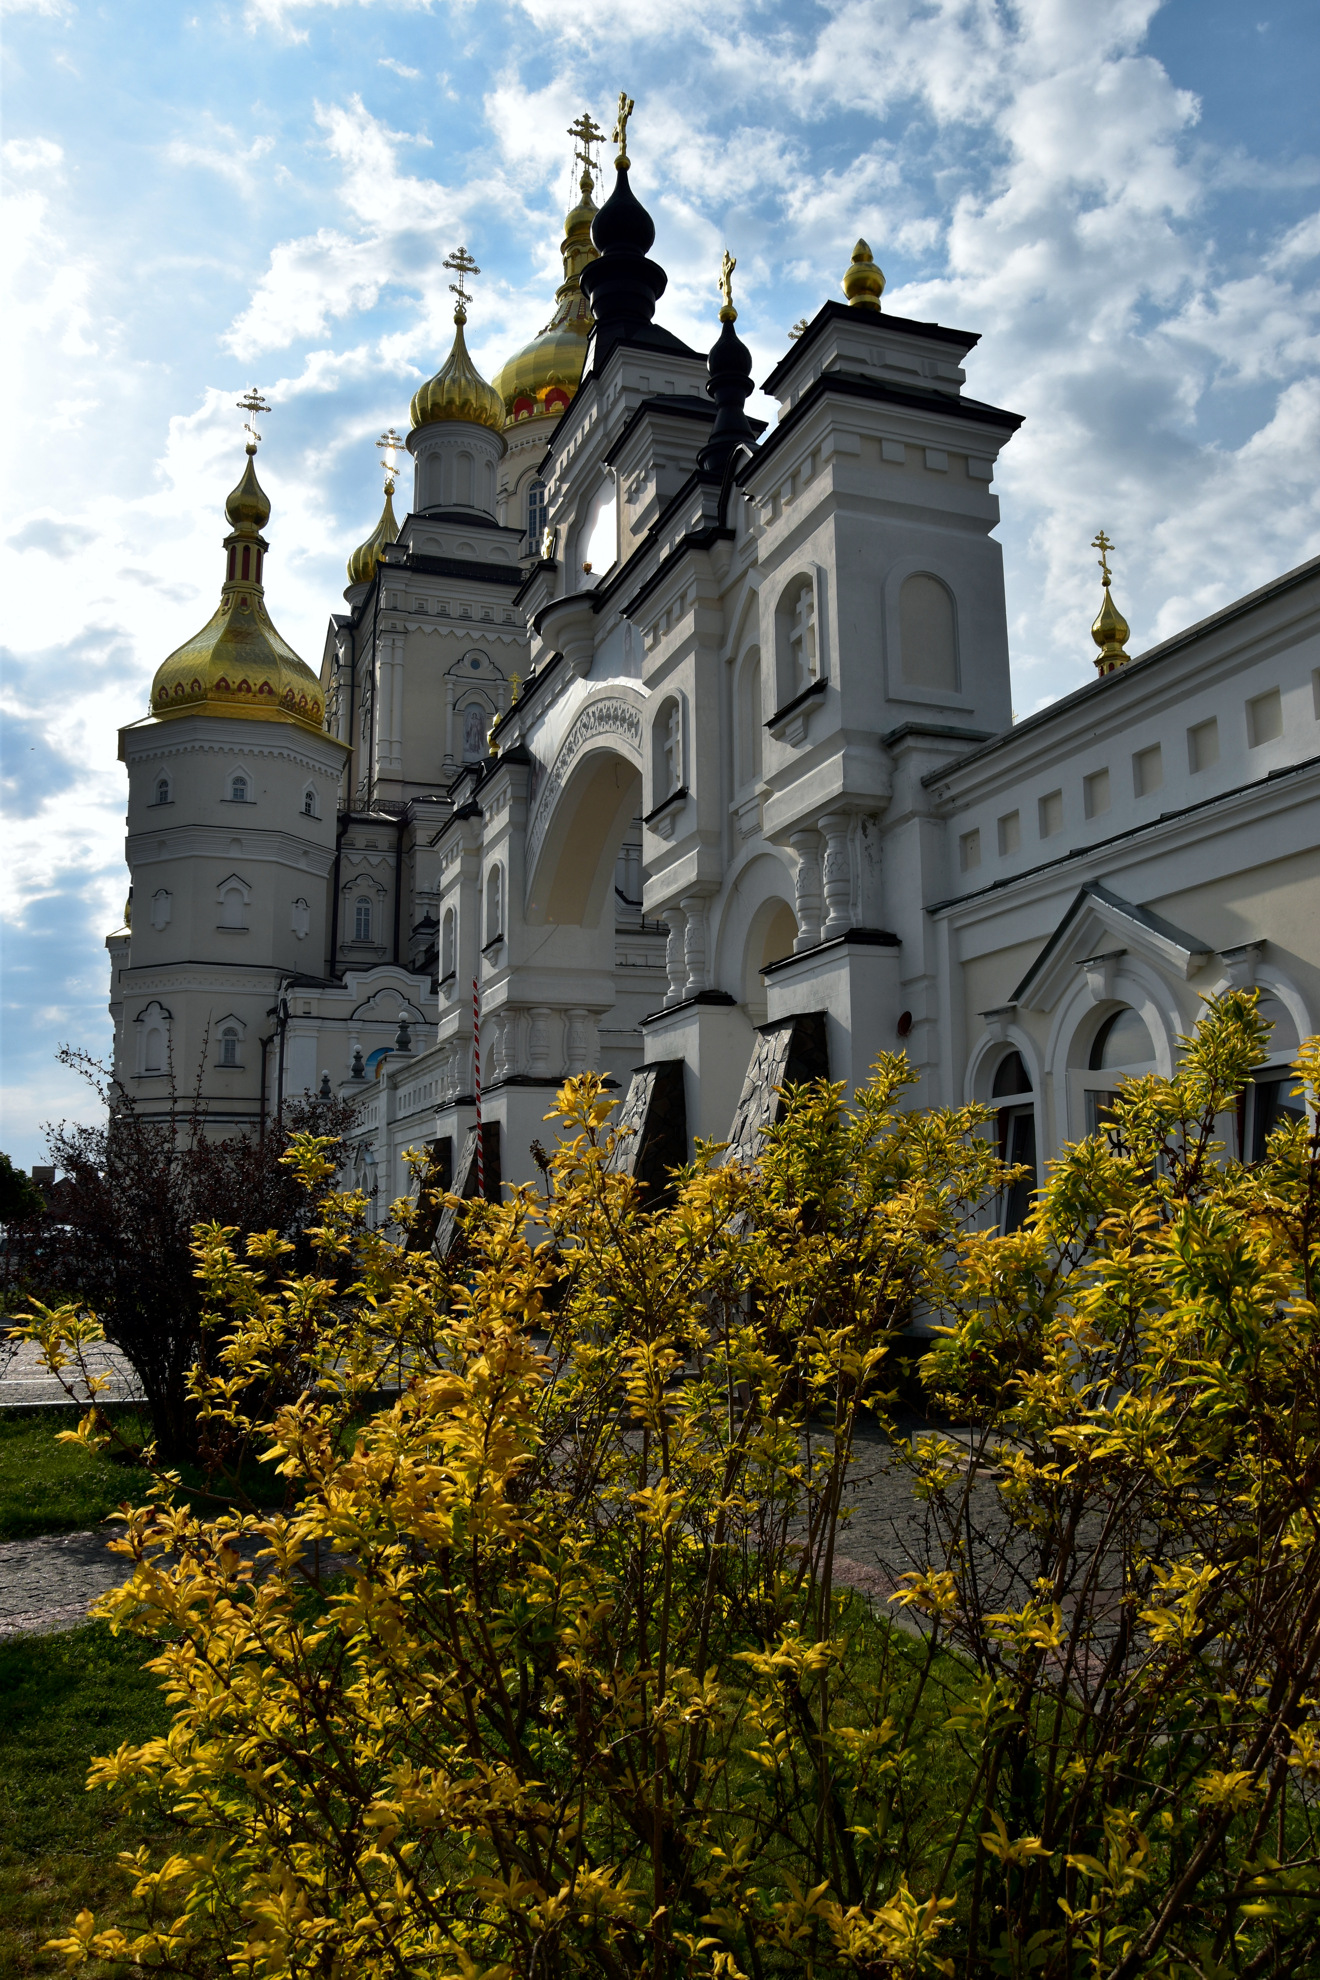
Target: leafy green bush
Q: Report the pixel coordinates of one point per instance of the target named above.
(548, 1671)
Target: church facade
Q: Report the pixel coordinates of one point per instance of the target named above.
(662, 743)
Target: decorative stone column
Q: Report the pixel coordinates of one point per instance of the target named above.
(538, 1042)
(579, 1041)
(838, 875)
(806, 844)
(694, 943)
(675, 963)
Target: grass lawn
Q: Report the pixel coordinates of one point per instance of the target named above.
(62, 1699)
(48, 1487)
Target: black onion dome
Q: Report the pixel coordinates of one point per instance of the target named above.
(622, 285)
(729, 384)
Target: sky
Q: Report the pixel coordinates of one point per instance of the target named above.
(1122, 198)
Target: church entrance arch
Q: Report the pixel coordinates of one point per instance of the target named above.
(757, 927)
(583, 809)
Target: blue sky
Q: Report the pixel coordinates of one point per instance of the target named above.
(1122, 198)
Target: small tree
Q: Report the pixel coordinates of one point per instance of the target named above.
(118, 1237)
(19, 1196)
(546, 1669)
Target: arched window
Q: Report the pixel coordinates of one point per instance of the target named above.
(238, 789)
(535, 514)
(1016, 1124)
(1271, 1099)
(927, 634)
(229, 1046)
(362, 919)
(599, 538)
(494, 905)
(1121, 1048)
(162, 791)
(463, 484)
(309, 802)
(749, 718)
(449, 944)
(233, 905)
(153, 1052)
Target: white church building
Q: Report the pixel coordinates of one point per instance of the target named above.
(659, 742)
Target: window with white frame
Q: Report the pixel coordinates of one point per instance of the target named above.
(162, 795)
(362, 919)
(535, 514)
(309, 802)
(229, 1045)
(239, 789)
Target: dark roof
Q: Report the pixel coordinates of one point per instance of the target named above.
(463, 567)
(835, 312)
(1109, 682)
(855, 385)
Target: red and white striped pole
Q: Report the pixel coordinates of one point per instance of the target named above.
(476, 1082)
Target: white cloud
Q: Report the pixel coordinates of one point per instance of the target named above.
(399, 68)
(229, 157)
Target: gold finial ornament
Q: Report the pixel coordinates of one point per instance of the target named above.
(728, 314)
(238, 664)
(1110, 630)
(539, 381)
(621, 129)
(362, 564)
(458, 390)
(252, 403)
(463, 265)
(799, 328)
(863, 282)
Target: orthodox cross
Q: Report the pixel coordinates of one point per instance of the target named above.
(586, 133)
(252, 403)
(728, 313)
(799, 327)
(463, 265)
(621, 128)
(1101, 543)
(390, 442)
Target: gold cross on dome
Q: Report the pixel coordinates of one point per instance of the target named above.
(587, 132)
(621, 127)
(390, 443)
(463, 265)
(1101, 543)
(252, 403)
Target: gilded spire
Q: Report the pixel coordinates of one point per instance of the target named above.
(362, 564)
(458, 390)
(626, 107)
(863, 282)
(542, 378)
(1110, 629)
(238, 664)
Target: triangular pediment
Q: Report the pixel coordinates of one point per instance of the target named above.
(1098, 926)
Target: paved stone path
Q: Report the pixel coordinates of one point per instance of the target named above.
(50, 1583)
(26, 1384)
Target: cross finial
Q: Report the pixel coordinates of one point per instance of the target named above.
(252, 403)
(463, 265)
(389, 443)
(799, 328)
(728, 314)
(586, 132)
(1101, 543)
(621, 128)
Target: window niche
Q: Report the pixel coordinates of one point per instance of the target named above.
(494, 906)
(927, 634)
(449, 945)
(797, 640)
(1015, 1123)
(667, 750)
(750, 719)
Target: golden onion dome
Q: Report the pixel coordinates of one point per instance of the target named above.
(544, 375)
(238, 664)
(362, 564)
(458, 390)
(1110, 630)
